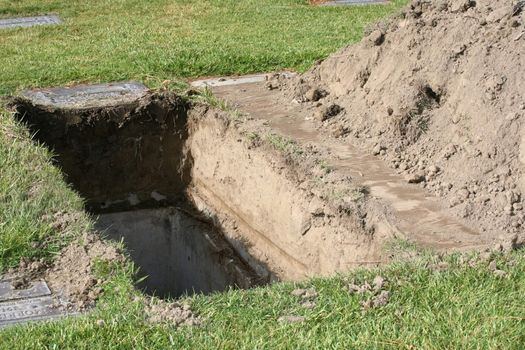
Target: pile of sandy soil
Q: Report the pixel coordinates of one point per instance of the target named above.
(438, 91)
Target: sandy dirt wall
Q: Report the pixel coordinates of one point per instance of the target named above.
(282, 223)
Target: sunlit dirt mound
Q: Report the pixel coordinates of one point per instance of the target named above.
(438, 91)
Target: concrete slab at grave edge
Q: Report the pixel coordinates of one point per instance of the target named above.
(22, 22)
(31, 302)
(354, 2)
(87, 96)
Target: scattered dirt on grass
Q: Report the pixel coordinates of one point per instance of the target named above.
(375, 293)
(160, 311)
(72, 276)
(437, 92)
(307, 297)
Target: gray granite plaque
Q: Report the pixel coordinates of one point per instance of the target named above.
(24, 310)
(29, 21)
(226, 81)
(34, 289)
(87, 96)
(353, 2)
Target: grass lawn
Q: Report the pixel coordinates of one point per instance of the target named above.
(460, 306)
(154, 40)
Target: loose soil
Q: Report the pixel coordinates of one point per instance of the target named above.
(394, 208)
(437, 93)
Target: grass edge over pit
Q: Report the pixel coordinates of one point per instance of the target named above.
(33, 198)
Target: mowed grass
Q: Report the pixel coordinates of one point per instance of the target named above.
(463, 306)
(154, 40)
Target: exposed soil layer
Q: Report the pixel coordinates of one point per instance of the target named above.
(125, 157)
(261, 213)
(121, 155)
(267, 195)
(437, 92)
(394, 208)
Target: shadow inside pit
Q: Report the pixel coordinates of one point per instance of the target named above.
(131, 165)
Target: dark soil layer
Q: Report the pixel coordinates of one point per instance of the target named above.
(122, 156)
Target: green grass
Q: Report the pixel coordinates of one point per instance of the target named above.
(461, 307)
(32, 191)
(154, 40)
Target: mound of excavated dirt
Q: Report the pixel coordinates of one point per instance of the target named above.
(73, 276)
(439, 93)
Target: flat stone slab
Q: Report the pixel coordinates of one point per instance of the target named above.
(33, 303)
(229, 81)
(87, 96)
(29, 21)
(34, 289)
(353, 2)
(226, 81)
(26, 310)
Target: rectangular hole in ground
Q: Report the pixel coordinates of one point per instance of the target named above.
(129, 162)
(178, 252)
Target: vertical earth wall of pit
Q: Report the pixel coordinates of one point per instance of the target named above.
(130, 155)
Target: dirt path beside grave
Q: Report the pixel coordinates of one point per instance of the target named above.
(436, 93)
(412, 214)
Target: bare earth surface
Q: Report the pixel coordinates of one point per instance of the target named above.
(430, 125)
(436, 94)
(417, 216)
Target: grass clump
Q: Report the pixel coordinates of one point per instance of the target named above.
(284, 144)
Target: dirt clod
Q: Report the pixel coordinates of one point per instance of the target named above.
(416, 178)
(315, 94)
(160, 311)
(376, 37)
(376, 301)
(328, 112)
(379, 283)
